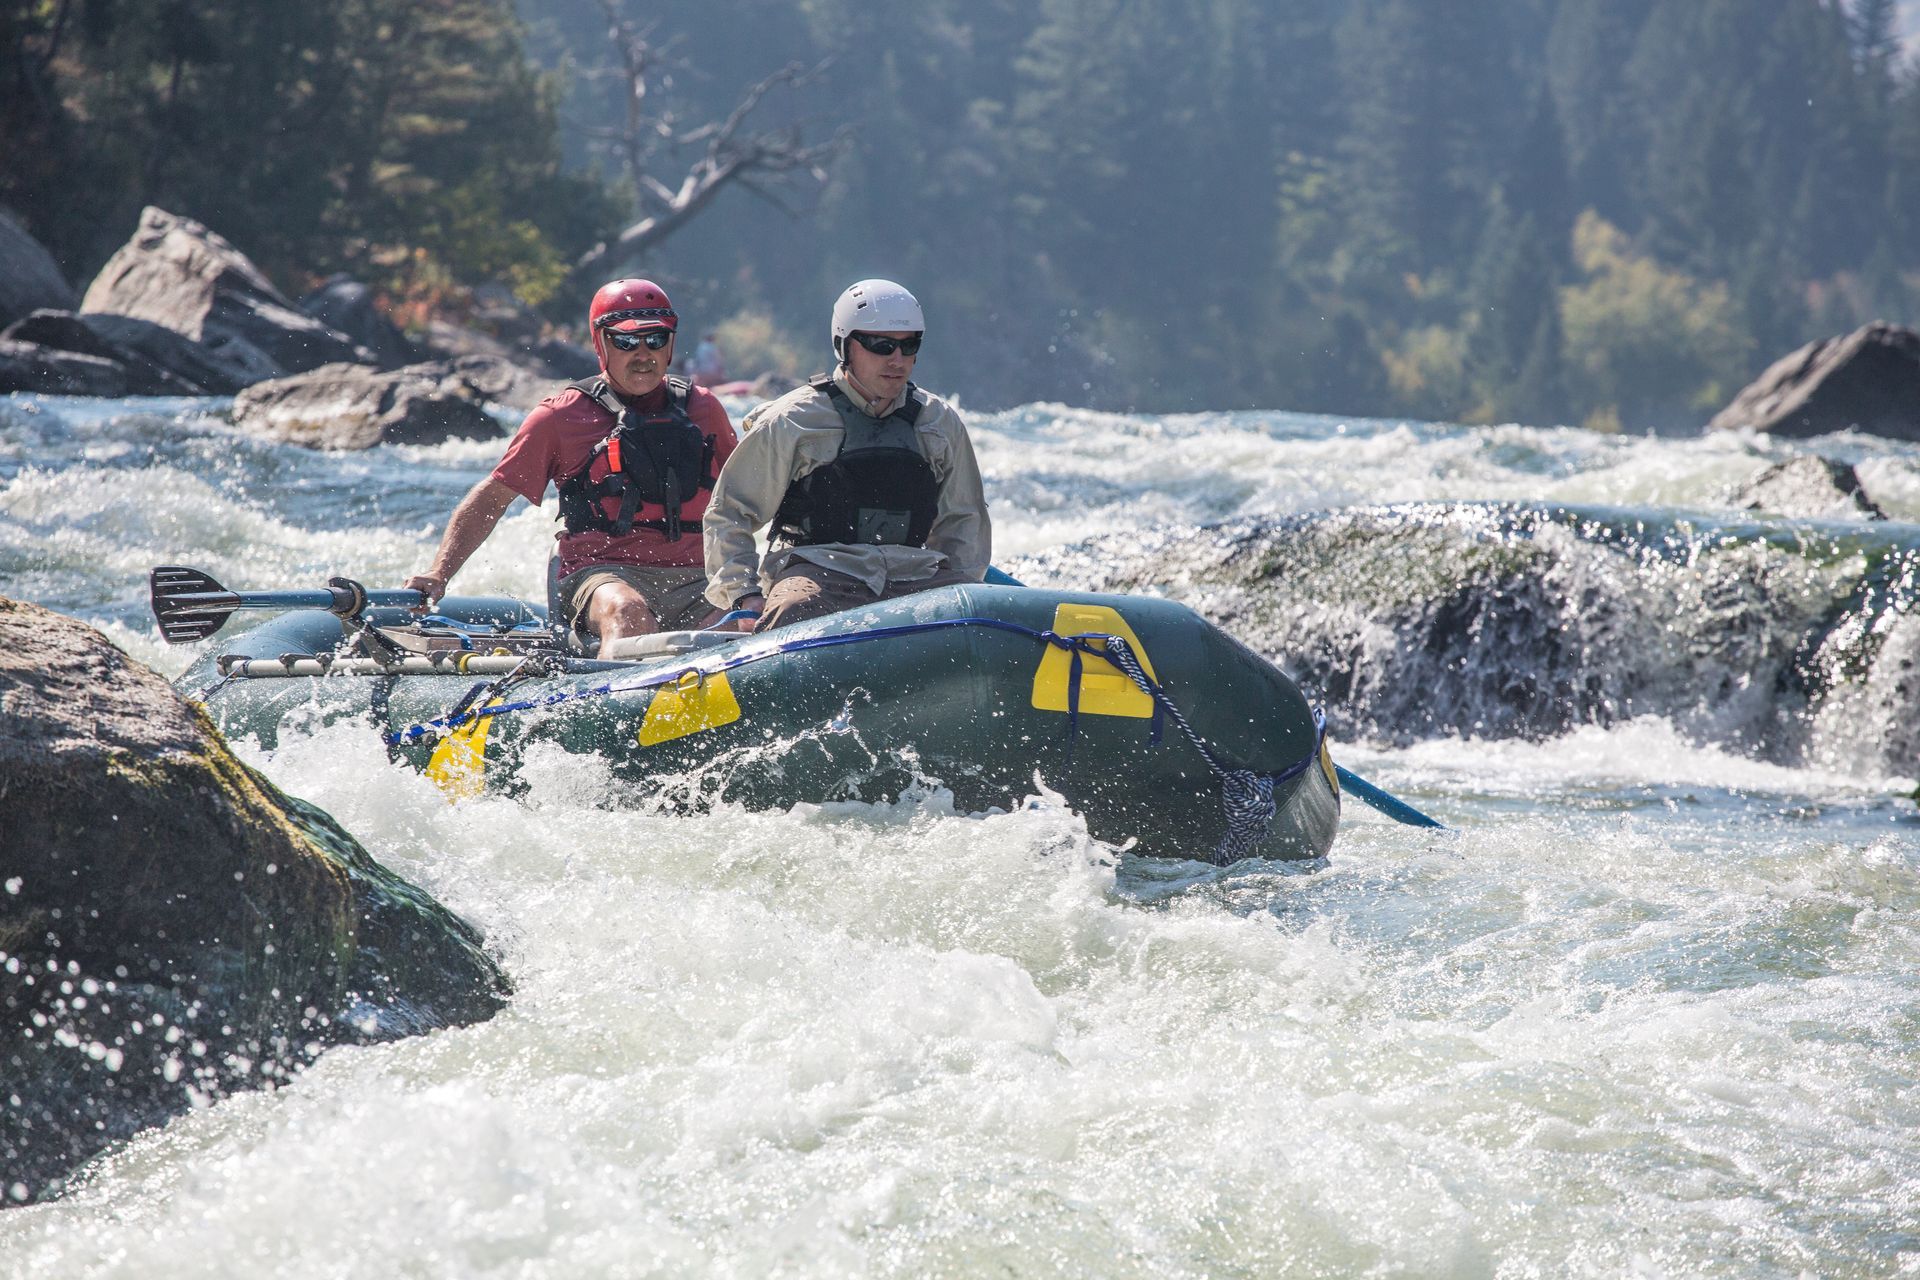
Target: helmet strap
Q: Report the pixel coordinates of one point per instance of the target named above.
(857, 385)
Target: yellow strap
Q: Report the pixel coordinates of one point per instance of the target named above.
(459, 763)
(689, 705)
(1105, 690)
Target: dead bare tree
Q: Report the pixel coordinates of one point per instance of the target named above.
(763, 162)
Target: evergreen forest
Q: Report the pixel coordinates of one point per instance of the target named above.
(1599, 212)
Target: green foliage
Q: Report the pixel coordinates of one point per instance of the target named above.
(1359, 206)
(407, 141)
(754, 341)
(1652, 339)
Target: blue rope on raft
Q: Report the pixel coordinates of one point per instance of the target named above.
(1247, 797)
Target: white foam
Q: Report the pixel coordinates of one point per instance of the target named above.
(1641, 982)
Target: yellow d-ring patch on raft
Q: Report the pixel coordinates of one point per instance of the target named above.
(688, 705)
(459, 763)
(1326, 767)
(1105, 690)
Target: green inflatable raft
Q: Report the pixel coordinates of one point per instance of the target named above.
(1167, 735)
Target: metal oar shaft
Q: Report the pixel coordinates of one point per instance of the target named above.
(189, 605)
(1391, 805)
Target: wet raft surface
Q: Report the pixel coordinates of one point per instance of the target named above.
(956, 686)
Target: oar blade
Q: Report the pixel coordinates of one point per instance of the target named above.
(188, 604)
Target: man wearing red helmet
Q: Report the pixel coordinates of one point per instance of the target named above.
(633, 454)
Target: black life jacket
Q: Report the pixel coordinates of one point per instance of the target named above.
(662, 458)
(879, 490)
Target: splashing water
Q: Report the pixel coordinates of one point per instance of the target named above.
(1649, 1008)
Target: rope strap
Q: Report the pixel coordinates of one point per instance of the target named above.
(1246, 797)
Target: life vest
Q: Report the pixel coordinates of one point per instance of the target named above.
(660, 458)
(879, 489)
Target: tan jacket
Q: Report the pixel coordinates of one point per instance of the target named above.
(784, 440)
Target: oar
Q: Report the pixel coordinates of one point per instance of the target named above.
(1391, 805)
(189, 605)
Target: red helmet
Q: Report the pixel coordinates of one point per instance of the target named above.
(629, 306)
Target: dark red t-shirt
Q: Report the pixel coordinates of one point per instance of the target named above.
(556, 440)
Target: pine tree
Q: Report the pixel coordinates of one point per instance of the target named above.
(1513, 289)
(1587, 51)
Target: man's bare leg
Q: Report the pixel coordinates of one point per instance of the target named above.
(615, 611)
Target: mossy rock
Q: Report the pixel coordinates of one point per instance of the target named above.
(1787, 639)
(171, 922)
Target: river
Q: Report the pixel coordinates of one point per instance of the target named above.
(1650, 1006)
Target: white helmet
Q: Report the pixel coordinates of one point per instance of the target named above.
(875, 306)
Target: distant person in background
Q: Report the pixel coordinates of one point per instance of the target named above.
(868, 482)
(633, 454)
(708, 366)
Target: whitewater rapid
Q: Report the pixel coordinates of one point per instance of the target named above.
(1650, 1007)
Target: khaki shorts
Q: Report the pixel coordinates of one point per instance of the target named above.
(807, 590)
(676, 594)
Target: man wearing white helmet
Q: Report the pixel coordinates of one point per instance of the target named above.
(869, 482)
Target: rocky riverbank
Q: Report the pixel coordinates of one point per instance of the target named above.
(180, 311)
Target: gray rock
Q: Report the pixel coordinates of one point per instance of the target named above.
(27, 366)
(504, 382)
(177, 274)
(172, 924)
(448, 340)
(346, 406)
(566, 360)
(547, 359)
(29, 277)
(84, 335)
(1807, 488)
(345, 304)
(1491, 621)
(1867, 380)
(161, 354)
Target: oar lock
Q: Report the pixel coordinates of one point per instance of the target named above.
(349, 598)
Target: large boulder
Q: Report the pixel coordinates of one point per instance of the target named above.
(118, 341)
(172, 926)
(344, 406)
(343, 303)
(178, 275)
(1807, 488)
(29, 277)
(27, 366)
(1868, 380)
(164, 354)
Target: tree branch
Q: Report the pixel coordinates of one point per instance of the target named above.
(731, 152)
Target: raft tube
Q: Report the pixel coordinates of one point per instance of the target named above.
(1198, 748)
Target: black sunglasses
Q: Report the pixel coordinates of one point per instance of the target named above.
(655, 339)
(887, 346)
